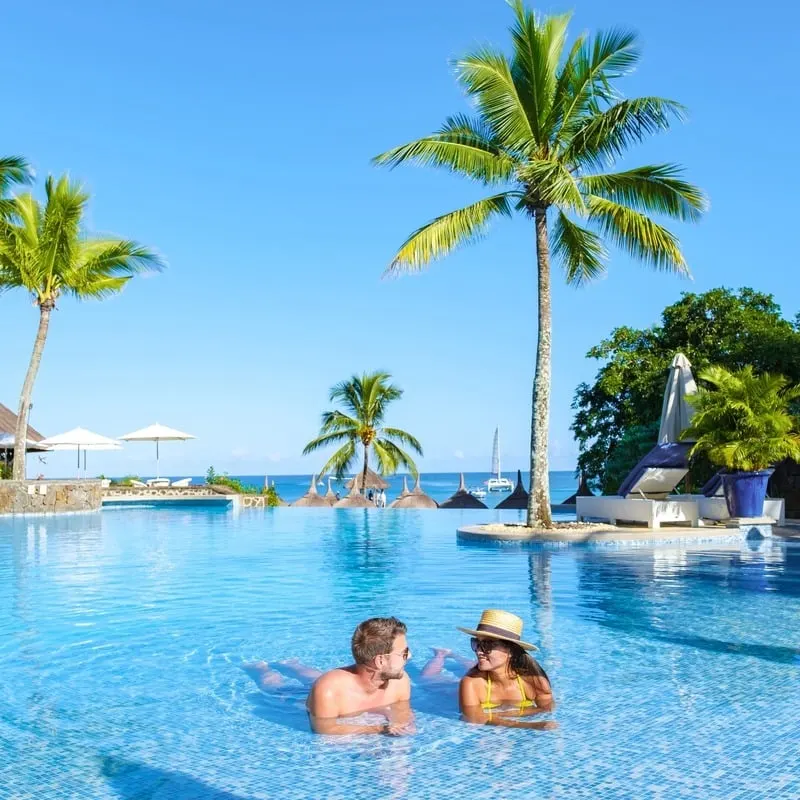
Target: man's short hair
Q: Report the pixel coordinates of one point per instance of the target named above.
(375, 637)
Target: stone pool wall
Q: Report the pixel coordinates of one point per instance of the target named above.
(49, 497)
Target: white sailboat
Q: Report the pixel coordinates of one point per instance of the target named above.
(498, 483)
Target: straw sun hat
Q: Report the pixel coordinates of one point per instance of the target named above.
(496, 624)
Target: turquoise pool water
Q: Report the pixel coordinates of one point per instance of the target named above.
(676, 669)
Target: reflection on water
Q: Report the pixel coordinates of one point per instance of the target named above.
(123, 635)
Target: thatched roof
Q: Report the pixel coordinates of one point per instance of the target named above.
(311, 498)
(374, 481)
(330, 495)
(462, 498)
(518, 498)
(405, 493)
(354, 500)
(583, 491)
(8, 424)
(414, 499)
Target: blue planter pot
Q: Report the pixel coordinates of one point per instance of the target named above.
(745, 492)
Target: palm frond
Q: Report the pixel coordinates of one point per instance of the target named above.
(390, 457)
(14, 169)
(487, 79)
(402, 436)
(637, 234)
(656, 188)
(586, 79)
(538, 44)
(337, 421)
(580, 250)
(459, 146)
(326, 440)
(602, 137)
(341, 461)
(443, 234)
(551, 184)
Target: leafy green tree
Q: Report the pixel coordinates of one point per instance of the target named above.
(743, 421)
(731, 329)
(548, 122)
(365, 400)
(45, 251)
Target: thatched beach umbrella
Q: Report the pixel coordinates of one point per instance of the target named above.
(518, 498)
(415, 499)
(374, 481)
(311, 498)
(354, 500)
(330, 495)
(583, 491)
(462, 498)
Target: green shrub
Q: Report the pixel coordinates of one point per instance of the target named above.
(744, 422)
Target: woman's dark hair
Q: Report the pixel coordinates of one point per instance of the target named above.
(523, 664)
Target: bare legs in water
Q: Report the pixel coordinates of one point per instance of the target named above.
(435, 665)
(268, 678)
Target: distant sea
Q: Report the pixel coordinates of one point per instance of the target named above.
(439, 485)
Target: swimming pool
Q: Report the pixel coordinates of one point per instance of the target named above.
(122, 634)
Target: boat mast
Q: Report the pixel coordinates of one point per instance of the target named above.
(496, 453)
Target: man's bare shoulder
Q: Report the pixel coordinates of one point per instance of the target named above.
(327, 689)
(333, 680)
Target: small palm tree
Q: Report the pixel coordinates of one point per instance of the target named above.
(44, 250)
(364, 400)
(744, 422)
(548, 122)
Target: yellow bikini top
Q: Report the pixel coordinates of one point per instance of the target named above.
(488, 705)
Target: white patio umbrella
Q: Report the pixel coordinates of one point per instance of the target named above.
(676, 412)
(157, 433)
(81, 440)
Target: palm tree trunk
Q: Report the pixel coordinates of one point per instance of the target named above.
(364, 472)
(21, 434)
(539, 500)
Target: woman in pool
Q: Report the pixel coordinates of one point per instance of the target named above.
(506, 683)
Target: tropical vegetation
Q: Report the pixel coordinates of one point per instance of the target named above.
(743, 421)
(549, 123)
(213, 478)
(364, 401)
(45, 251)
(616, 415)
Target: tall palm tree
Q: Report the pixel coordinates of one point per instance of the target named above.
(364, 400)
(44, 250)
(548, 122)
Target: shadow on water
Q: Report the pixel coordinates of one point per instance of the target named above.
(620, 596)
(134, 781)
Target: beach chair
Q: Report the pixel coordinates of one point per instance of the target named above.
(138, 484)
(158, 483)
(183, 482)
(645, 496)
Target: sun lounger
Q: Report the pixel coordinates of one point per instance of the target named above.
(644, 495)
(182, 482)
(139, 484)
(158, 483)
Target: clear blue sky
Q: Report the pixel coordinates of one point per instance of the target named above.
(236, 137)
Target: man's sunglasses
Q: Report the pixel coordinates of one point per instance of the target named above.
(405, 653)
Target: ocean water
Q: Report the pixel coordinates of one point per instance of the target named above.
(123, 637)
(439, 485)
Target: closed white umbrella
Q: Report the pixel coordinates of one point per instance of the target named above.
(676, 411)
(80, 439)
(157, 433)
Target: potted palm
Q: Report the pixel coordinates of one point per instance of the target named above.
(744, 424)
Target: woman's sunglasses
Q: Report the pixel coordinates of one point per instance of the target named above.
(485, 645)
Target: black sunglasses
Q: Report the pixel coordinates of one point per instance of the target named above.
(485, 645)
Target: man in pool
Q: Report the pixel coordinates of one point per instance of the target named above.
(377, 683)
